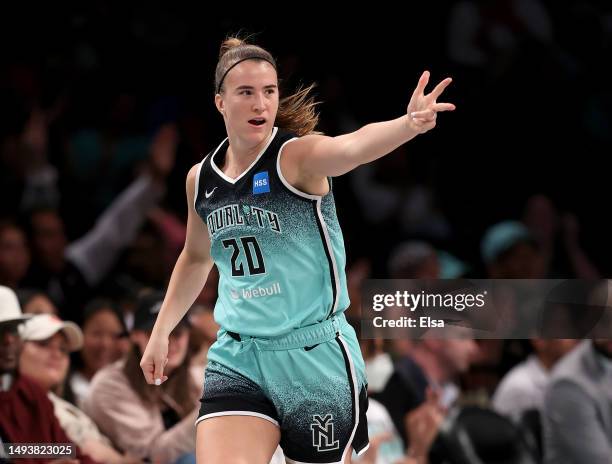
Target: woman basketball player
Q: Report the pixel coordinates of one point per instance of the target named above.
(286, 367)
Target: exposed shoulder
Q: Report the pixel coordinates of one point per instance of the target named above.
(194, 171)
(300, 146)
(192, 179)
(294, 165)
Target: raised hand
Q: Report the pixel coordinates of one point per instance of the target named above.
(423, 424)
(422, 109)
(163, 150)
(35, 138)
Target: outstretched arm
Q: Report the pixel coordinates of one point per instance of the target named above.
(317, 156)
(96, 252)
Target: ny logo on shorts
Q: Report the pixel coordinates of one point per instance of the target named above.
(323, 433)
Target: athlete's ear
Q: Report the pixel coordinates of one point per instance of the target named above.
(219, 104)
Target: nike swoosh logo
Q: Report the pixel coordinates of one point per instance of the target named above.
(209, 194)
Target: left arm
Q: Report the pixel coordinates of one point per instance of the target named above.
(315, 157)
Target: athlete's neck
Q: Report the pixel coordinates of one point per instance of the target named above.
(240, 155)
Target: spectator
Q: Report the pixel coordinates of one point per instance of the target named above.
(578, 406)
(45, 359)
(35, 302)
(70, 271)
(26, 413)
(26, 176)
(523, 388)
(386, 446)
(509, 251)
(414, 260)
(558, 239)
(14, 254)
(145, 420)
(103, 343)
(434, 363)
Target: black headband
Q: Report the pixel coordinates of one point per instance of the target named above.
(238, 62)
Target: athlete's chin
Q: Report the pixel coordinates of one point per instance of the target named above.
(257, 133)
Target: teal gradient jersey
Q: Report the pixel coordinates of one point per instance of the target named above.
(279, 251)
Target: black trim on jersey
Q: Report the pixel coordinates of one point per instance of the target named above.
(300, 197)
(234, 392)
(282, 140)
(256, 162)
(237, 401)
(360, 438)
(295, 195)
(329, 258)
(347, 365)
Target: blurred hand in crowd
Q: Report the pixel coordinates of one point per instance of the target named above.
(571, 229)
(422, 426)
(35, 138)
(162, 151)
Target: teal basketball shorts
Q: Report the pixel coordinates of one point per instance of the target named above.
(310, 383)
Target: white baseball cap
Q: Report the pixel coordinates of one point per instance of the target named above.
(10, 311)
(44, 326)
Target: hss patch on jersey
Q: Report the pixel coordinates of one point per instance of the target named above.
(261, 183)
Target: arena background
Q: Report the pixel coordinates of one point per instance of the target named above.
(85, 89)
(533, 106)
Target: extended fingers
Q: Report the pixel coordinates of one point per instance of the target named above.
(437, 91)
(423, 80)
(443, 107)
(431, 113)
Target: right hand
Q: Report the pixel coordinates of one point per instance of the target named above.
(422, 109)
(155, 359)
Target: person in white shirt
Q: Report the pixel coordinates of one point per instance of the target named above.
(523, 387)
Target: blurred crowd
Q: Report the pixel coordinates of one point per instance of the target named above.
(92, 219)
